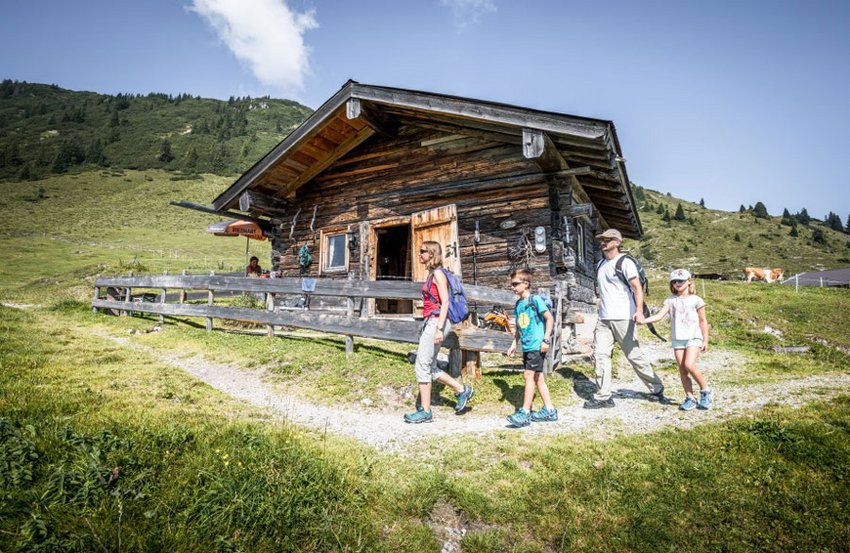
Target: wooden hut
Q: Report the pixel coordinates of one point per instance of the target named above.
(375, 171)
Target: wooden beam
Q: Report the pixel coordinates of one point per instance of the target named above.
(395, 330)
(264, 224)
(378, 122)
(349, 144)
(251, 201)
(578, 210)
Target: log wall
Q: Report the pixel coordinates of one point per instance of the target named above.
(420, 169)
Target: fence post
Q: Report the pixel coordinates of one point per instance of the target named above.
(96, 297)
(270, 307)
(127, 292)
(349, 340)
(183, 290)
(455, 361)
(162, 301)
(209, 303)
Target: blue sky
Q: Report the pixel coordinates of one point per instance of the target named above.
(731, 101)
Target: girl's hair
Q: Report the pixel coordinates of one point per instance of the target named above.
(436, 251)
(523, 274)
(692, 289)
(254, 258)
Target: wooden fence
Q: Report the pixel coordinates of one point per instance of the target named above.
(465, 341)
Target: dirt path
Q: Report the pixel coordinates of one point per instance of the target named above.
(632, 414)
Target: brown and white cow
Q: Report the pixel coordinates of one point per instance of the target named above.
(767, 275)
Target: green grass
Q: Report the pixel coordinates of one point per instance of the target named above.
(108, 223)
(99, 443)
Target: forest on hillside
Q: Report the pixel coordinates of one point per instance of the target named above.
(45, 129)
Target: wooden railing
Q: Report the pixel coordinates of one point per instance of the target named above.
(465, 336)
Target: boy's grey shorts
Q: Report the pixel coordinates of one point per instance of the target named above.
(426, 355)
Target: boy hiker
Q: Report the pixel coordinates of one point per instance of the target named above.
(620, 307)
(534, 324)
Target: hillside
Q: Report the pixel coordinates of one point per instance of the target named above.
(716, 241)
(46, 130)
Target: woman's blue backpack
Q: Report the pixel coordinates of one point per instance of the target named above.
(458, 308)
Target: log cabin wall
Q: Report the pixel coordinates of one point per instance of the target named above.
(488, 181)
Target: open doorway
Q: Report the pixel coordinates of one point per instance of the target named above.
(393, 262)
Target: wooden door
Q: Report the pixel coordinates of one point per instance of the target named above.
(440, 225)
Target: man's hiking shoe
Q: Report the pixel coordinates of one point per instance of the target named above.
(688, 404)
(463, 398)
(519, 419)
(544, 415)
(419, 416)
(706, 398)
(599, 403)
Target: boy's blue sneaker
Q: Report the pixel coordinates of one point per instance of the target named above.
(544, 415)
(519, 419)
(419, 416)
(688, 404)
(463, 398)
(706, 397)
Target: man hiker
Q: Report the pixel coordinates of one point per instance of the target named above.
(620, 307)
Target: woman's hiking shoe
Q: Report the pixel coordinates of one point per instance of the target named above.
(706, 398)
(544, 415)
(519, 419)
(463, 398)
(419, 416)
(688, 404)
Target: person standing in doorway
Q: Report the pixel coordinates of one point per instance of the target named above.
(435, 294)
(620, 307)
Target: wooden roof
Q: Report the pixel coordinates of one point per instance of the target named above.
(588, 147)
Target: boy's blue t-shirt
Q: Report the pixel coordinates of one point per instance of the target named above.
(532, 328)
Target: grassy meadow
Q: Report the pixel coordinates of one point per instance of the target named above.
(106, 448)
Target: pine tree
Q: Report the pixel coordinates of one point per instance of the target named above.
(760, 211)
(165, 154)
(737, 237)
(794, 232)
(680, 213)
(742, 209)
(803, 217)
(702, 203)
(818, 236)
(666, 216)
(833, 221)
(847, 226)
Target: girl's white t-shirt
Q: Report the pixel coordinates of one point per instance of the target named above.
(684, 319)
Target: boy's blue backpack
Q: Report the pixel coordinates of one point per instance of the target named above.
(458, 308)
(546, 301)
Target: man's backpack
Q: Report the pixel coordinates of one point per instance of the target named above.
(644, 284)
(458, 307)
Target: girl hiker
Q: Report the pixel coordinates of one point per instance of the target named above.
(436, 327)
(689, 335)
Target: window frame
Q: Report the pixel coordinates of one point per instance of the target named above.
(324, 250)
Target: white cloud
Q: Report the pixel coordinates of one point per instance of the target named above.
(468, 12)
(266, 35)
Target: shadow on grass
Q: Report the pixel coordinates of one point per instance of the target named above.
(582, 385)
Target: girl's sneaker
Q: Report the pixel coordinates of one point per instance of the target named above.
(545, 415)
(706, 398)
(519, 419)
(688, 404)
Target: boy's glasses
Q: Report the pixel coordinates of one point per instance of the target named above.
(516, 282)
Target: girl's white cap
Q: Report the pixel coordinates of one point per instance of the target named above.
(680, 274)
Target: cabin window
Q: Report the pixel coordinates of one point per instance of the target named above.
(580, 241)
(335, 252)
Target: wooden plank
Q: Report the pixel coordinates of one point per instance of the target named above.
(465, 337)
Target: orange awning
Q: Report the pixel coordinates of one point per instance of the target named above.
(235, 227)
